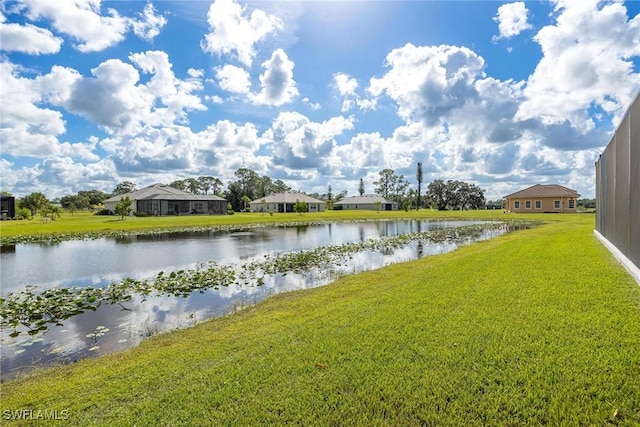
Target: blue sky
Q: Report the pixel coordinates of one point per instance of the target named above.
(500, 94)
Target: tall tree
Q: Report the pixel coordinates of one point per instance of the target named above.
(124, 188)
(329, 193)
(248, 184)
(361, 187)
(245, 199)
(455, 195)
(391, 186)
(419, 177)
(193, 186)
(179, 184)
(209, 183)
(34, 202)
(341, 195)
(95, 197)
(50, 212)
(79, 201)
(216, 187)
(437, 194)
(279, 187)
(265, 187)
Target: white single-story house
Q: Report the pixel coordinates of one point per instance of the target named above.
(285, 202)
(370, 202)
(160, 199)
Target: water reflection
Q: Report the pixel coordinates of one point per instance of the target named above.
(139, 319)
(102, 261)
(7, 249)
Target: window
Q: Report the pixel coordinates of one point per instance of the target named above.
(571, 204)
(538, 204)
(556, 204)
(516, 204)
(527, 204)
(198, 206)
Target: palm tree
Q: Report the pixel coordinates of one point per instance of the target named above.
(245, 199)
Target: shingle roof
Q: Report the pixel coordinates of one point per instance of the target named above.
(163, 192)
(361, 200)
(541, 190)
(287, 197)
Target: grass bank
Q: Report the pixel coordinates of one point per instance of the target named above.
(536, 327)
(87, 223)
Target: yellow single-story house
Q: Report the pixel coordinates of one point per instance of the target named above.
(542, 198)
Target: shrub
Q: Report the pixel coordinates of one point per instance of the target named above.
(103, 212)
(140, 214)
(23, 213)
(230, 210)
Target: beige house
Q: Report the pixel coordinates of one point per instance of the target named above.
(366, 202)
(160, 199)
(542, 198)
(286, 202)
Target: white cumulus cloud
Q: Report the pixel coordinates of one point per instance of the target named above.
(27, 38)
(300, 143)
(346, 86)
(28, 128)
(278, 85)
(429, 82)
(587, 53)
(235, 30)
(512, 20)
(115, 99)
(233, 79)
(85, 23)
(150, 24)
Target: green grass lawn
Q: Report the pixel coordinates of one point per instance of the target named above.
(539, 326)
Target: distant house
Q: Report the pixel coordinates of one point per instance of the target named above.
(285, 202)
(543, 198)
(7, 206)
(366, 202)
(162, 199)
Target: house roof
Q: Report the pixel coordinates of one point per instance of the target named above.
(286, 197)
(540, 190)
(367, 199)
(163, 192)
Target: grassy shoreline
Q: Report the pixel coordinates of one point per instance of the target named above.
(540, 326)
(87, 223)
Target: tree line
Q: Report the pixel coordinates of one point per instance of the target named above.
(249, 185)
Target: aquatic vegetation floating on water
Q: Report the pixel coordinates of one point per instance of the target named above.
(36, 310)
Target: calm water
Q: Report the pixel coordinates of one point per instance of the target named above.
(103, 261)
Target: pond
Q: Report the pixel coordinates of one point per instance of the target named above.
(113, 327)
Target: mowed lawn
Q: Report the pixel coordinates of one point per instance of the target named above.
(540, 326)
